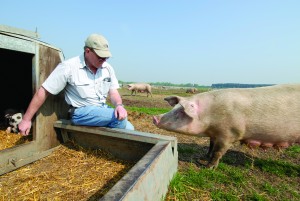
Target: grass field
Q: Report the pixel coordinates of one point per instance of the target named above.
(243, 174)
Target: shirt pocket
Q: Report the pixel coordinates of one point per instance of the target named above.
(105, 86)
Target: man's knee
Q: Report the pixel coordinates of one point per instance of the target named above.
(118, 124)
(123, 124)
(129, 126)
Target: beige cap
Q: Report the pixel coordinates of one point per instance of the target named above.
(99, 44)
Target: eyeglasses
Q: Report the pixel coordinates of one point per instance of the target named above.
(99, 58)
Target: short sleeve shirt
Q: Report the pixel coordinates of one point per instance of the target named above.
(82, 87)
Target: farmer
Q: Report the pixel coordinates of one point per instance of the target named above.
(87, 80)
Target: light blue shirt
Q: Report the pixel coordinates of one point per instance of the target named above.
(81, 86)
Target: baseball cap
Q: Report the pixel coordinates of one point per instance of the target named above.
(99, 44)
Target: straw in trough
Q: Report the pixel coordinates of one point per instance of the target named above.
(69, 173)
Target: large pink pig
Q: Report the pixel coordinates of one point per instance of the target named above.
(260, 117)
(140, 87)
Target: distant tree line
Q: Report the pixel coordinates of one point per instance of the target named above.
(168, 84)
(215, 86)
(238, 85)
(177, 85)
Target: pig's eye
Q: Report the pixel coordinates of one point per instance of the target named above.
(192, 105)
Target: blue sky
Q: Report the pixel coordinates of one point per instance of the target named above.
(192, 41)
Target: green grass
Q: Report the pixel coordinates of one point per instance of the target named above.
(232, 183)
(293, 151)
(278, 167)
(150, 111)
(266, 180)
(186, 149)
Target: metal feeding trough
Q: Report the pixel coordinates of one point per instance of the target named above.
(155, 155)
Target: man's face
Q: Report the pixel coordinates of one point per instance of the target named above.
(93, 59)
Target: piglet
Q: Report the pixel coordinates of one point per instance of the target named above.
(259, 117)
(13, 120)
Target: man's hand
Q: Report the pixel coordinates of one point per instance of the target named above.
(24, 127)
(120, 112)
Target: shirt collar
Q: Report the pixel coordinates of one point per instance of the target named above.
(82, 61)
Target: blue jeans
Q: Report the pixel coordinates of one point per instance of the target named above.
(103, 116)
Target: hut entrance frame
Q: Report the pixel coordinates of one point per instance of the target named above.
(25, 63)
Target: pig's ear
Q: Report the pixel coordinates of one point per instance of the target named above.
(192, 108)
(172, 100)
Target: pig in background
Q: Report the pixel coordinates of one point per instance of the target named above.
(12, 119)
(259, 117)
(191, 90)
(141, 87)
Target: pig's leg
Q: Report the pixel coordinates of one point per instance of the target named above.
(210, 149)
(219, 149)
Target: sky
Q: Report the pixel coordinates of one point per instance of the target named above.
(201, 42)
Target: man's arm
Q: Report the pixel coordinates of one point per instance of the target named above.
(116, 100)
(36, 102)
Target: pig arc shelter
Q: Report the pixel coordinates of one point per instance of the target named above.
(29, 62)
(25, 63)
